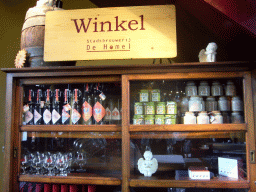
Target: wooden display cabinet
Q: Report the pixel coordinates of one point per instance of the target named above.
(128, 175)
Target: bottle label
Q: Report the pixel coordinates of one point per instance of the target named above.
(86, 111)
(156, 97)
(37, 116)
(98, 112)
(102, 96)
(28, 116)
(42, 104)
(116, 114)
(75, 116)
(55, 116)
(143, 97)
(67, 107)
(47, 116)
(65, 115)
(25, 108)
(108, 114)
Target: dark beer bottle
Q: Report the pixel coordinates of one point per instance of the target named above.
(47, 115)
(38, 110)
(28, 109)
(87, 106)
(76, 107)
(98, 108)
(66, 107)
(56, 111)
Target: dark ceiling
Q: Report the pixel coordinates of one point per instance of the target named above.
(229, 23)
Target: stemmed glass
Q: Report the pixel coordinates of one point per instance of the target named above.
(25, 163)
(49, 163)
(62, 164)
(81, 161)
(37, 163)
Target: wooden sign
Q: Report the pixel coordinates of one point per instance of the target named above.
(111, 33)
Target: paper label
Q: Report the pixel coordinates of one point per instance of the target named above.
(98, 112)
(86, 111)
(115, 114)
(108, 115)
(55, 116)
(75, 116)
(37, 116)
(65, 115)
(47, 116)
(28, 116)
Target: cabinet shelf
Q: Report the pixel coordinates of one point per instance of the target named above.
(76, 178)
(167, 181)
(71, 128)
(187, 128)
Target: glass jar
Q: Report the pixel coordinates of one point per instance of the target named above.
(170, 119)
(203, 118)
(155, 95)
(138, 108)
(196, 103)
(223, 104)
(184, 105)
(171, 108)
(237, 104)
(191, 89)
(189, 118)
(144, 95)
(211, 104)
(159, 120)
(138, 120)
(216, 89)
(160, 108)
(230, 89)
(149, 108)
(226, 117)
(216, 118)
(236, 117)
(204, 89)
(149, 120)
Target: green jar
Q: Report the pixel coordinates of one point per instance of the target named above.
(150, 108)
(171, 108)
(149, 120)
(155, 95)
(160, 108)
(144, 95)
(138, 120)
(170, 119)
(138, 108)
(159, 119)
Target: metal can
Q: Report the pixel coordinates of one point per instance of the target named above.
(170, 119)
(138, 108)
(171, 108)
(155, 95)
(149, 120)
(150, 108)
(138, 120)
(159, 119)
(144, 95)
(160, 108)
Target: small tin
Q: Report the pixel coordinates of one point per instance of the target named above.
(150, 108)
(159, 119)
(160, 108)
(155, 95)
(170, 119)
(171, 108)
(149, 120)
(138, 120)
(144, 95)
(138, 108)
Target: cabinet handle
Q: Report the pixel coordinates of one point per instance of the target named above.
(252, 156)
(15, 151)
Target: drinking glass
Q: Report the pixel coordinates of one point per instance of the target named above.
(81, 161)
(25, 164)
(62, 164)
(49, 163)
(37, 163)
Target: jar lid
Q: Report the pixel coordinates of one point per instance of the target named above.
(210, 98)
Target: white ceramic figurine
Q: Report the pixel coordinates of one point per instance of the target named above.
(149, 165)
(208, 55)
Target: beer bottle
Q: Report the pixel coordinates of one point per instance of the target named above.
(38, 110)
(87, 106)
(66, 107)
(28, 109)
(47, 115)
(98, 108)
(76, 107)
(56, 111)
